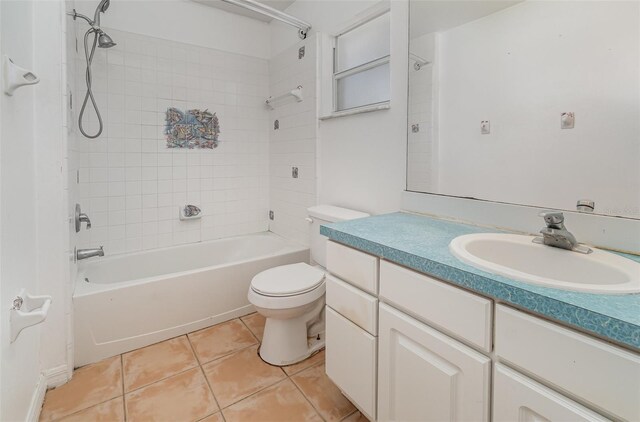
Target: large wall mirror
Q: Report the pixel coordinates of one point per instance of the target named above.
(526, 102)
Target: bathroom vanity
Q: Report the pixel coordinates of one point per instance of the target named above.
(415, 334)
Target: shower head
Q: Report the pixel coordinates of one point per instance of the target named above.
(102, 8)
(104, 40)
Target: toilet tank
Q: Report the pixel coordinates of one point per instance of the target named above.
(322, 214)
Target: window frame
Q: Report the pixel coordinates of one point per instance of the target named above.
(369, 15)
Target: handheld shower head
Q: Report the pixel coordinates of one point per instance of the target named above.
(102, 8)
(104, 40)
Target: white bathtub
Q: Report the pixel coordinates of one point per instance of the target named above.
(125, 302)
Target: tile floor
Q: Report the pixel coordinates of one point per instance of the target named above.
(211, 375)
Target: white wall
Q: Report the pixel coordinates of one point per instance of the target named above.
(131, 184)
(187, 22)
(520, 69)
(294, 143)
(362, 158)
(32, 239)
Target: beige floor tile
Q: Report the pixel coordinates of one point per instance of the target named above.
(216, 417)
(239, 375)
(182, 397)
(356, 417)
(90, 385)
(323, 393)
(110, 411)
(255, 322)
(220, 340)
(307, 363)
(281, 402)
(152, 363)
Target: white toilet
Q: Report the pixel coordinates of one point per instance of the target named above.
(291, 297)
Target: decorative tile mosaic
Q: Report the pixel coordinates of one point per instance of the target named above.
(191, 129)
(422, 243)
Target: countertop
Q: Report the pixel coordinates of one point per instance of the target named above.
(422, 243)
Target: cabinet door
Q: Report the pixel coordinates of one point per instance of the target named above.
(517, 398)
(351, 361)
(424, 375)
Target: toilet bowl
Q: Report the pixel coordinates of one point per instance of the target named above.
(291, 297)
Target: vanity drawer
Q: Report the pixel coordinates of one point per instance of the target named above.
(605, 376)
(354, 304)
(351, 357)
(450, 309)
(353, 266)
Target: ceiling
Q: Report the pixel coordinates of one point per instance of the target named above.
(439, 15)
(219, 4)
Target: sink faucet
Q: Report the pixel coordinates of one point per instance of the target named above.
(88, 253)
(557, 235)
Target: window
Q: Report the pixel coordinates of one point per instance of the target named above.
(361, 64)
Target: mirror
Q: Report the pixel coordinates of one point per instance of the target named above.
(526, 102)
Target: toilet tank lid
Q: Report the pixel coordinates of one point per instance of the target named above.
(332, 214)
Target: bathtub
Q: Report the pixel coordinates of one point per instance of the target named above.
(121, 303)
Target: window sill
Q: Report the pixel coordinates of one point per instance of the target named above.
(358, 110)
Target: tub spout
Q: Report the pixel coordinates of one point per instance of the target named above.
(88, 253)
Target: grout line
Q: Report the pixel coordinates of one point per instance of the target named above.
(85, 408)
(161, 379)
(307, 399)
(350, 414)
(250, 330)
(124, 400)
(212, 394)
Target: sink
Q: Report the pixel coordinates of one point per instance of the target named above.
(517, 257)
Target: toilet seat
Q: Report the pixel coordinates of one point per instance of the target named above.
(288, 280)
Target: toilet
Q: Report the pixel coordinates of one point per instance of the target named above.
(291, 297)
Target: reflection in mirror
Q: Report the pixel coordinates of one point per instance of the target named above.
(533, 102)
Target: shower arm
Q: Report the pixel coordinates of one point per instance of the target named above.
(76, 15)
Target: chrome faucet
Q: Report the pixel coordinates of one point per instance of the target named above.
(88, 253)
(557, 235)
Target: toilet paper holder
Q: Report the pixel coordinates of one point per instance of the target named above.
(27, 311)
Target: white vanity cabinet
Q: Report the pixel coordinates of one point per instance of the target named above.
(517, 398)
(405, 346)
(424, 375)
(352, 325)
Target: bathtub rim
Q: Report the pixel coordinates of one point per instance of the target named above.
(83, 288)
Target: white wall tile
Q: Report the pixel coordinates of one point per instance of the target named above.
(132, 184)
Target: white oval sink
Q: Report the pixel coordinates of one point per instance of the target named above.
(517, 257)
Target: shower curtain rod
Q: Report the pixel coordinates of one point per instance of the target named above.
(263, 9)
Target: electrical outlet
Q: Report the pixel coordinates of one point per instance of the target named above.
(301, 52)
(271, 215)
(294, 172)
(276, 124)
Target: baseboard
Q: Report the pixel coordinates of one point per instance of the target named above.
(37, 399)
(56, 376)
(50, 378)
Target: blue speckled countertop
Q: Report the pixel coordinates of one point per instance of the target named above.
(422, 243)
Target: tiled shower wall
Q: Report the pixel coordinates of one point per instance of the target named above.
(131, 185)
(294, 143)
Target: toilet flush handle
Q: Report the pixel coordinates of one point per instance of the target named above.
(309, 219)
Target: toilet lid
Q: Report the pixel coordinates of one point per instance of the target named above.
(287, 280)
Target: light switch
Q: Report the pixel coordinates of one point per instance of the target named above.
(485, 127)
(567, 120)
